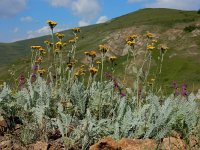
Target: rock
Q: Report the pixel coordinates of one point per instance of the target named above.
(172, 143)
(105, 144)
(3, 125)
(39, 145)
(6, 145)
(137, 144)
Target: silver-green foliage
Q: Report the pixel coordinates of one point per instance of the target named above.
(100, 111)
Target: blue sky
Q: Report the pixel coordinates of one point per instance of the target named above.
(22, 19)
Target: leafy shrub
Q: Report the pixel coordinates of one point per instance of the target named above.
(191, 28)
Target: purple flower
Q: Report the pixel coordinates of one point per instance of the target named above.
(22, 81)
(35, 67)
(33, 77)
(184, 90)
(122, 94)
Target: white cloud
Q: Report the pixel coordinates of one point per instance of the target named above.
(82, 23)
(9, 8)
(60, 3)
(16, 29)
(86, 9)
(176, 4)
(42, 31)
(135, 1)
(26, 19)
(102, 19)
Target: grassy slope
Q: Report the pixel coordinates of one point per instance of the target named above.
(181, 68)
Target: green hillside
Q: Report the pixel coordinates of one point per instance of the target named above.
(182, 59)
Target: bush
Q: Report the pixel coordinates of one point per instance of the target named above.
(191, 28)
(198, 12)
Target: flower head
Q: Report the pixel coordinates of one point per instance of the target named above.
(150, 35)
(76, 30)
(150, 47)
(103, 48)
(112, 58)
(131, 43)
(51, 24)
(93, 70)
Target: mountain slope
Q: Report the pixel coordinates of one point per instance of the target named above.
(181, 61)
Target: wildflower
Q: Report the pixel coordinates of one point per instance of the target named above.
(41, 49)
(131, 38)
(60, 36)
(76, 30)
(64, 44)
(184, 90)
(69, 65)
(21, 81)
(154, 41)
(152, 80)
(59, 45)
(46, 42)
(93, 70)
(35, 67)
(92, 54)
(56, 50)
(33, 77)
(39, 60)
(163, 48)
(150, 35)
(112, 58)
(131, 43)
(36, 47)
(98, 62)
(103, 48)
(72, 41)
(41, 71)
(150, 47)
(86, 53)
(51, 24)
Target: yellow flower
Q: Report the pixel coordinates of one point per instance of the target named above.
(86, 53)
(59, 45)
(41, 71)
(93, 70)
(39, 60)
(69, 65)
(131, 38)
(46, 42)
(57, 50)
(131, 43)
(150, 35)
(112, 58)
(41, 49)
(152, 80)
(51, 24)
(36, 47)
(93, 54)
(150, 47)
(163, 48)
(72, 41)
(76, 30)
(60, 36)
(154, 41)
(98, 62)
(103, 48)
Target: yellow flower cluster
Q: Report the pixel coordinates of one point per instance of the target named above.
(103, 48)
(112, 58)
(93, 70)
(150, 35)
(41, 71)
(131, 38)
(150, 47)
(36, 47)
(48, 43)
(51, 24)
(76, 30)
(91, 54)
(131, 43)
(60, 36)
